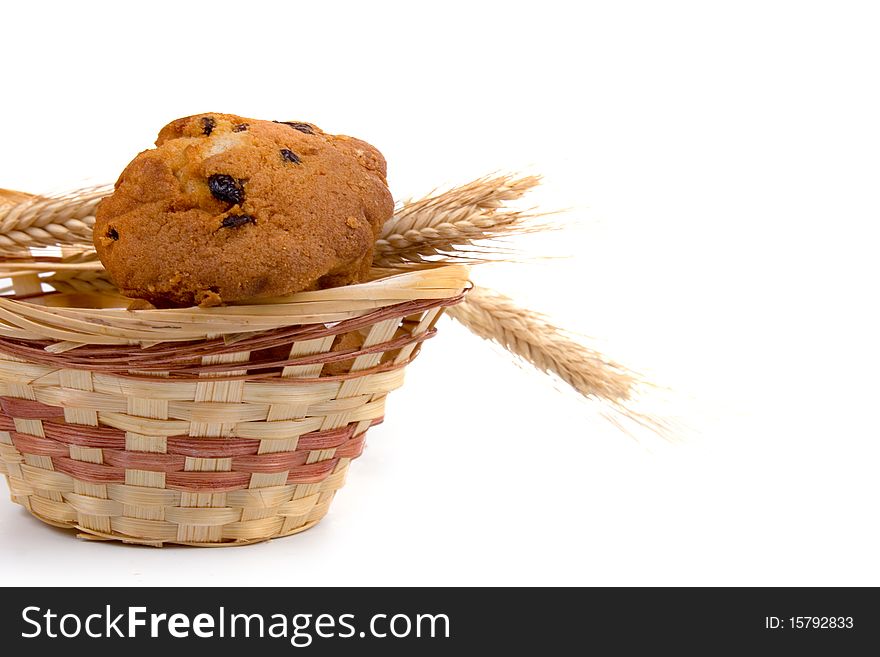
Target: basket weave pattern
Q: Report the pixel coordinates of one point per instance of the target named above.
(224, 440)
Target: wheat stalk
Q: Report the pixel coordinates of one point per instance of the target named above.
(458, 224)
(82, 281)
(69, 280)
(531, 337)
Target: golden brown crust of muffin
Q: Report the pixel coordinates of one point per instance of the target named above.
(343, 342)
(227, 208)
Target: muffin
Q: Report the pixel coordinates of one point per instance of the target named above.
(228, 209)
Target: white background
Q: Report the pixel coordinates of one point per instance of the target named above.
(721, 164)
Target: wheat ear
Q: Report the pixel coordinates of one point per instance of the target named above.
(82, 281)
(456, 224)
(33, 221)
(530, 336)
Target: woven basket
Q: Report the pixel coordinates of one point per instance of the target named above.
(208, 427)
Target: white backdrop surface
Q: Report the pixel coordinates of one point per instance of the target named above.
(720, 163)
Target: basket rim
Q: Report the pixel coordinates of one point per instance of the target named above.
(71, 326)
(186, 360)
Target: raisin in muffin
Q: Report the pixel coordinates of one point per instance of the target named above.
(227, 209)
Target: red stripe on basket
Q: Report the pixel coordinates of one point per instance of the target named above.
(85, 436)
(212, 448)
(274, 462)
(353, 448)
(281, 461)
(203, 482)
(27, 409)
(6, 423)
(27, 444)
(327, 439)
(312, 473)
(93, 472)
(155, 462)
